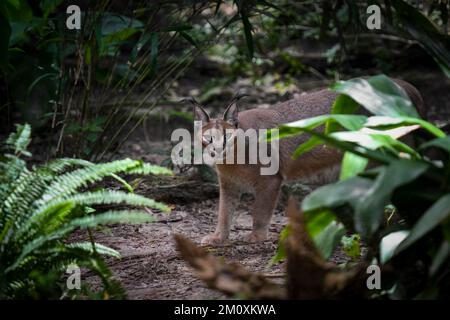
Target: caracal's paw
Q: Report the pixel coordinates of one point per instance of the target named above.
(213, 239)
(256, 237)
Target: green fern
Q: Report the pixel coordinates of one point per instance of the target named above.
(41, 206)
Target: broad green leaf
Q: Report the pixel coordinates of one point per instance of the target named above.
(440, 257)
(379, 95)
(348, 121)
(327, 240)
(310, 144)
(389, 243)
(394, 122)
(352, 165)
(429, 220)
(370, 209)
(324, 230)
(442, 143)
(335, 195)
(344, 145)
(342, 105)
(373, 141)
(316, 222)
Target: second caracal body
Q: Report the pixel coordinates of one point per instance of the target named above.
(320, 165)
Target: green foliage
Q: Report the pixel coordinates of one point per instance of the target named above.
(351, 245)
(409, 179)
(50, 72)
(423, 30)
(41, 206)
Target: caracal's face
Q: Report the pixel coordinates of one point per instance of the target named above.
(217, 139)
(216, 135)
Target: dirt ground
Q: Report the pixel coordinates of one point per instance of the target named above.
(150, 267)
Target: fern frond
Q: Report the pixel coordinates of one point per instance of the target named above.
(69, 183)
(109, 217)
(11, 167)
(105, 197)
(19, 140)
(18, 205)
(41, 206)
(50, 215)
(145, 169)
(60, 165)
(99, 248)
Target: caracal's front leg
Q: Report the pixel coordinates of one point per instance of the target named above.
(229, 197)
(266, 197)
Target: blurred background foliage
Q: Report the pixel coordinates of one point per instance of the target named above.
(88, 90)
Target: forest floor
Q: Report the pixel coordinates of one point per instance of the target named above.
(151, 268)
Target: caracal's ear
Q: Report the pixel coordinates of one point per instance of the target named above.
(200, 113)
(231, 112)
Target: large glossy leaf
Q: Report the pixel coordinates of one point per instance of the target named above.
(327, 240)
(379, 95)
(324, 230)
(342, 105)
(310, 144)
(348, 121)
(316, 222)
(442, 143)
(395, 122)
(370, 209)
(429, 220)
(344, 145)
(440, 257)
(420, 28)
(352, 165)
(349, 192)
(389, 243)
(374, 140)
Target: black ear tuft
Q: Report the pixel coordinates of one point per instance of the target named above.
(231, 113)
(200, 113)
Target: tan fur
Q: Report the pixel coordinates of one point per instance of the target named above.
(321, 165)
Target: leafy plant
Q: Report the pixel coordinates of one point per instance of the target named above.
(41, 206)
(410, 181)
